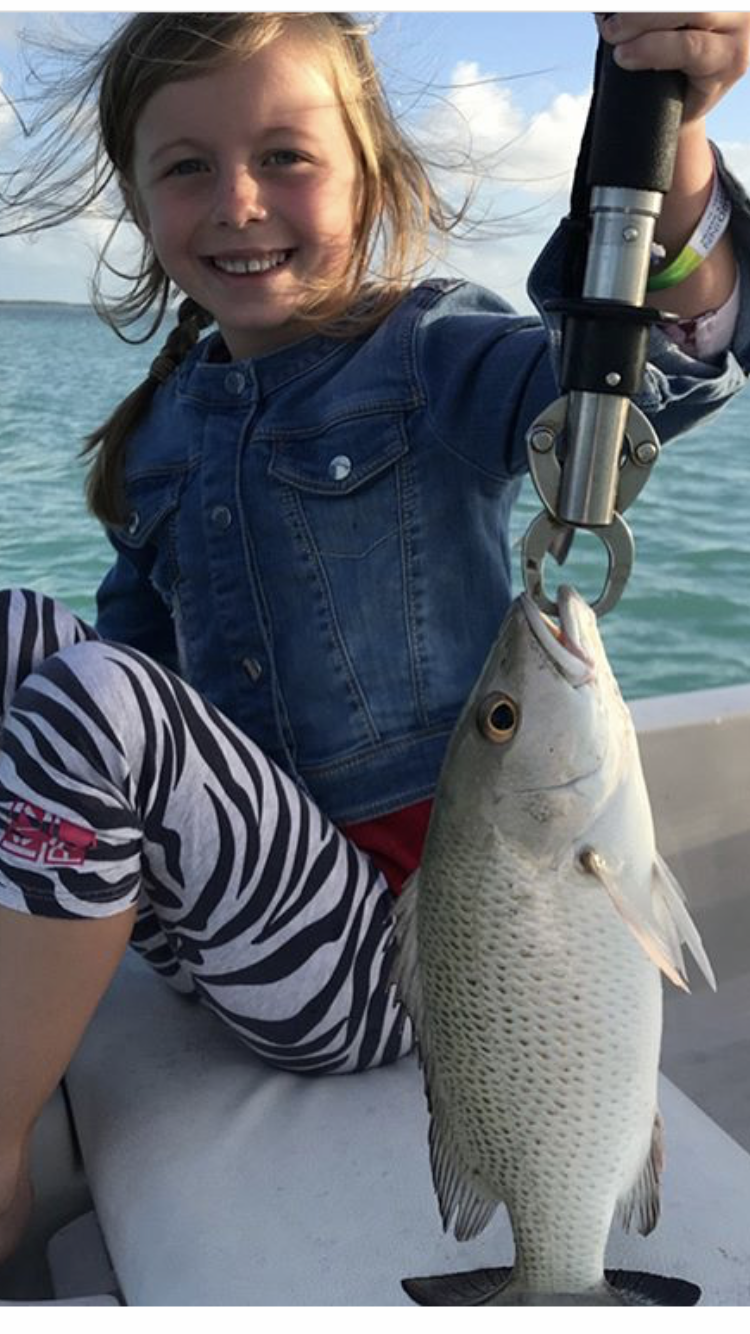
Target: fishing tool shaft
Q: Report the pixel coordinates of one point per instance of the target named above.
(591, 451)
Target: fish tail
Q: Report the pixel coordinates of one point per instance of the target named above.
(499, 1287)
(476, 1287)
(633, 1288)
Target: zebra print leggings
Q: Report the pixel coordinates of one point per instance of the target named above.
(119, 785)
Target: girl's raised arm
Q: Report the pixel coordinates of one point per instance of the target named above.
(713, 51)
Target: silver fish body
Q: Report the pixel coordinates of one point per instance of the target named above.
(530, 945)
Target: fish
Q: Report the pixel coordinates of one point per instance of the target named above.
(529, 951)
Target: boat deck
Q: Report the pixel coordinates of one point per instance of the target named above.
(696, 754)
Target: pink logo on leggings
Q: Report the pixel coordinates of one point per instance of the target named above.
(36, 836)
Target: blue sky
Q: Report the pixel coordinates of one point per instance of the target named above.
(520, 82)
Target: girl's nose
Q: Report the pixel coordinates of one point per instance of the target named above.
(239, 199)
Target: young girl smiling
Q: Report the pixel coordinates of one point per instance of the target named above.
(309, 508)
(247, 192)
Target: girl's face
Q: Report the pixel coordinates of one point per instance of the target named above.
(245, 182)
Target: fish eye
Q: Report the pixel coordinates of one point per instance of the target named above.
(497, 717)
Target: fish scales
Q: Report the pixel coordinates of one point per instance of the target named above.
(504, 975)
(529, 950)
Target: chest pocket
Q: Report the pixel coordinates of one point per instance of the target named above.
(148, 536)
(344, 487)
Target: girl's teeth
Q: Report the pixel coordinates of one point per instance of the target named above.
(252, 265)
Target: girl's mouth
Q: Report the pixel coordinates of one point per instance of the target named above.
(236, 266)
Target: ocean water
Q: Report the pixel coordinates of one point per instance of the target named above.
(683, 622)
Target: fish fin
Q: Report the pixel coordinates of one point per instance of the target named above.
(455, 1188)
(470, 1288)
(638, 1289)
(405, 964)
(670, 905)
(497, 1287)
(644, 1199)
(460, 1197)
(659, 950)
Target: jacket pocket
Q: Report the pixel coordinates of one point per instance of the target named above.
(342, 489)
(148, 536)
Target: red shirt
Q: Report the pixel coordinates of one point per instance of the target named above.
(395, 841)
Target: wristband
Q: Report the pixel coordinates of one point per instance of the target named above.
(709, 231)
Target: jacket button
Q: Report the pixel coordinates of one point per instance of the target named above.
(339, 468)
(253, 668)
(221, 517)
(234, 382)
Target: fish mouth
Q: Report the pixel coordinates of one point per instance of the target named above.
(563, 644)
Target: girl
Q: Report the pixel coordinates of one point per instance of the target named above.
(309, 508)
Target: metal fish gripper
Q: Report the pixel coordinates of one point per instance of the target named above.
(591, 451)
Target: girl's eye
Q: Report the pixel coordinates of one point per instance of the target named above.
(283, 157)
(187, 167)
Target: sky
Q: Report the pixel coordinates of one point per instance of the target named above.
(512, 86)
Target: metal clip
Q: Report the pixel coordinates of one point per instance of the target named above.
(548, 534)
(541, 539)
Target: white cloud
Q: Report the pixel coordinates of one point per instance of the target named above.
(547, 150)
(58, 264)
(520, 165)
(7, 118)
(479, 119)
(476, 113)
(502, 266)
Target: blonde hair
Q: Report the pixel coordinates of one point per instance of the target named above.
(398, 210)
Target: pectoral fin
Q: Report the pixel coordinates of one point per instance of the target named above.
(660, 949)
(670, 906)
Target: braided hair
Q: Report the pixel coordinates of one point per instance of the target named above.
(105, 491)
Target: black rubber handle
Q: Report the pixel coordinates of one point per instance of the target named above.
(637, 115)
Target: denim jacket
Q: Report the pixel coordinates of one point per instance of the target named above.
(318, 538)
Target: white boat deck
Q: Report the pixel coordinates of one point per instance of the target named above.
(696, 753)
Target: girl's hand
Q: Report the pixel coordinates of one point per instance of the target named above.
(712, 50)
